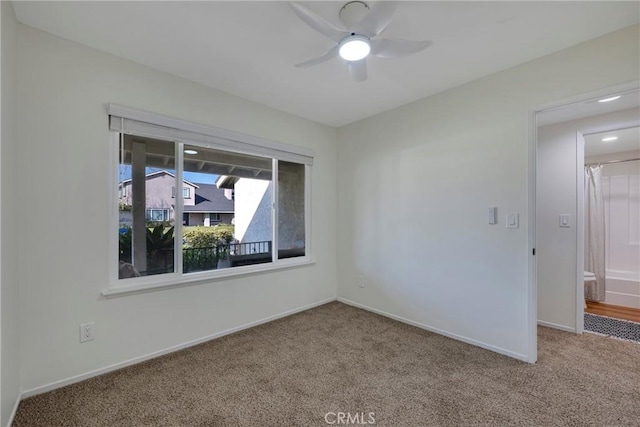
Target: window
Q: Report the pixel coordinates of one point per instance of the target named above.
(186, 192)
(250, 239)
(157, 214)
(263, 185)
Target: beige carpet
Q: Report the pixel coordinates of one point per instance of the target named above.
(337, 358)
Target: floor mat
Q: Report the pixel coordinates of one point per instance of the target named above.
(617, 328)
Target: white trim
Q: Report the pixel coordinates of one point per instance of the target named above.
(113, 257)
(307, 210)
(593, 95)
(275, 210)
(467, 340)
(14, 411)
(178, 210)
(580, 232)
(77, 378)
(173, 280)
(532, 261)
(633, 276)
(556, 326)
(144, 123)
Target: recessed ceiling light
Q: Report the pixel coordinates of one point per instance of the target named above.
(613, 98)
(190, 152)
(609, 139)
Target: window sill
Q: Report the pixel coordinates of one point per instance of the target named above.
(140, 285)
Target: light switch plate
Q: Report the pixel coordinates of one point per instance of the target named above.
(565, 220)
(513, 220)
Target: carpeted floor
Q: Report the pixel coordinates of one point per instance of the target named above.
(336, 358)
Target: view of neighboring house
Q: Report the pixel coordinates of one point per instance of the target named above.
(204, 204)
(254, 210)
(212, 206)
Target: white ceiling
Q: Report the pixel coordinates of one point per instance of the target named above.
(628, 140)
(249, 48)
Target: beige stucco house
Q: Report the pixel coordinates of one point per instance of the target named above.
(204, 204)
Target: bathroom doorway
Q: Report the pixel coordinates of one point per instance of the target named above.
(612, 161)
(569, 136)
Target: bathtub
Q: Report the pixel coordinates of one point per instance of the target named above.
(623, 288)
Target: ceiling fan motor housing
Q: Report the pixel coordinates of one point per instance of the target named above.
(353, 13)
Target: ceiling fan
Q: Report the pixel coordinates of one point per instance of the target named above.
(359, 37)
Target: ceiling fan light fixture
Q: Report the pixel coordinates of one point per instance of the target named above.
(354, 47)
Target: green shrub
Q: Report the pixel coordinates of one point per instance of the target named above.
(208, 237)
(159, 247)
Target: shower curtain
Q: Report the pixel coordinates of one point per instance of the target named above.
(594, 242)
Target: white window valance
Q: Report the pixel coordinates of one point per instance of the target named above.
(137, 122)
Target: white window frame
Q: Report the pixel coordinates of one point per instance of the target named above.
(136, 122)
(164, 211)
(184, 189)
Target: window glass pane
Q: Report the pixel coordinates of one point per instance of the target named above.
(146, 207)
(229, 217)
(186, 192)
(291, 221)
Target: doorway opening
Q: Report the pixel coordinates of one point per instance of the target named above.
(615, 156)
(587, 219)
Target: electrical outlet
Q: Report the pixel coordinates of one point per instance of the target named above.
(87, 332)
(361, 281)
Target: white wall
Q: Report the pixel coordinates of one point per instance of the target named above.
(415, 184)
(9, 333)
(64, 88)
(253, 208)
(557, 194)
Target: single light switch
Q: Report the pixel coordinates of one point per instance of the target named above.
(493, 215)
(513, 220)
(565, 220)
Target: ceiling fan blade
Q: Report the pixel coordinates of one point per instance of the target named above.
(330, 54)
(387, 48)
(377, 19)
(318, 23)
(358, 70)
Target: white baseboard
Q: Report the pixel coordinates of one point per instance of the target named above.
(486, 346)
(623, 299)
(14, 411)
(557, 326)
(81, 377)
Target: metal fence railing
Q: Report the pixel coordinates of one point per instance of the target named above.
(207, 258)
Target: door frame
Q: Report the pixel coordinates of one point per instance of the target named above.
(580, 232)
(532, 280)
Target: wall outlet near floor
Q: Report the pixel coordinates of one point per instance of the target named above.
(361, 281)
(87, 332)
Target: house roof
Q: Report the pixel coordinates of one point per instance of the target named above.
(210, 198)
(158, 173)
